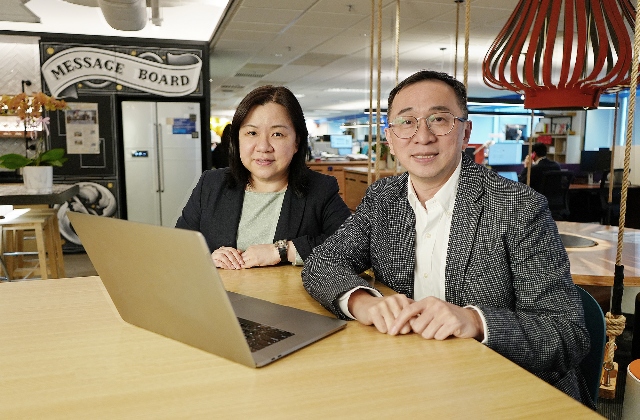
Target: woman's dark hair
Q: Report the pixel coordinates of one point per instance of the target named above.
(224, 137)
(456, 85)
(262, 96)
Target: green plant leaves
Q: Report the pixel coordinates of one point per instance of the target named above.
(53, 157)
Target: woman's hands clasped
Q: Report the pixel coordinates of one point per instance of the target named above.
(255, 256)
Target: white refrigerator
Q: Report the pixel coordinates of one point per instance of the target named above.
(162, 158)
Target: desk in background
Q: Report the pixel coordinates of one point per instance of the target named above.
(336, 169)
(17, 195)
(356, 184)
(585, 205)
(67, 354)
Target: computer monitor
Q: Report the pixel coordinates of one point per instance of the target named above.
(505, 154)
(515, 132)
(341, 141)
(595, 161)
(588, 161)
(604, 159)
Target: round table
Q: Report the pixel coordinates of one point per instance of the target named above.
(594, 266)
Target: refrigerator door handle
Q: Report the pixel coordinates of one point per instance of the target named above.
(160, 157)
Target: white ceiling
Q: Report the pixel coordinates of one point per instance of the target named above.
(318, 46)
(320, 49)
(182, 19)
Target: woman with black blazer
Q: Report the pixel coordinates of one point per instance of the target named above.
(267, 207)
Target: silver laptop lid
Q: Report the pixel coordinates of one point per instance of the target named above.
(163, 280)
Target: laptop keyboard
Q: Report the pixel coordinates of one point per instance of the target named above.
(260, 336)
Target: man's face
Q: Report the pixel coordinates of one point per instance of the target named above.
(429, 159)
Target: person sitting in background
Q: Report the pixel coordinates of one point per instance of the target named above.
(220, 155)
(539, 164)
(268, 206)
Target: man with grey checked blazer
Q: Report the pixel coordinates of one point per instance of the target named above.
(469, 253)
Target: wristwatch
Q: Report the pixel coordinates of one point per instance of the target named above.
(282, 246)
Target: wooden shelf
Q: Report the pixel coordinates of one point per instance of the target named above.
(15, 134)
(557, 149)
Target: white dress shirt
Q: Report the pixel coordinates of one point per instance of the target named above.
(433, 223)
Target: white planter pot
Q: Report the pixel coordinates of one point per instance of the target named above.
(38, 179)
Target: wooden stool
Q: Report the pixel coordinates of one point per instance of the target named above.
(48, 246)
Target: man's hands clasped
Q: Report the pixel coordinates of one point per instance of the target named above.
(430, 317)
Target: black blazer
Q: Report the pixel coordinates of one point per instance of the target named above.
(214, 209)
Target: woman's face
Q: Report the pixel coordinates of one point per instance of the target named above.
(267, 143)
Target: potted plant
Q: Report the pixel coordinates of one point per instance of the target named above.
(384, 154)
(37, 166)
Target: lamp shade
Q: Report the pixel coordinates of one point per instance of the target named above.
(562, 54)
(124, 15)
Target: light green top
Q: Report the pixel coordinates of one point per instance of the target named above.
(259, 219)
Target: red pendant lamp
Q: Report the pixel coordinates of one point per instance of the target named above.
(562, 54)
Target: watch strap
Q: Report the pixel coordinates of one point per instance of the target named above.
(282, 246)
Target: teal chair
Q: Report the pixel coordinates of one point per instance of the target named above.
(591, 365)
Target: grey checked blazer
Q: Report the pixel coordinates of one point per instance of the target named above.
(505, 256)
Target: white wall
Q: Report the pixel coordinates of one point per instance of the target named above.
(598, 129)
(19, 60)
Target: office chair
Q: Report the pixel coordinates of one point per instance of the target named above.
(591, 365)
(555, 186)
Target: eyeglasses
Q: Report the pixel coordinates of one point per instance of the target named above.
(440, 124)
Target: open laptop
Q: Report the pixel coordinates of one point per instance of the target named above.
(164, 280)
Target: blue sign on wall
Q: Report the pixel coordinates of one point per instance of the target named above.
(184, 125)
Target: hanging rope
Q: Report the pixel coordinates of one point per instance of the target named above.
(378, 133)
(397, 55)
(467, 23)
(373, 2)
(455, 57)
(613, 152)
(615, 320)
(533, 113)
(397, 66)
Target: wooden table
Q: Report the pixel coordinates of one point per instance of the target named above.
(16, 194)
(67, 354)
(594, 266)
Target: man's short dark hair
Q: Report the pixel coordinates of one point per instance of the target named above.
(456, 85)
(262, 96)
(539, 149)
